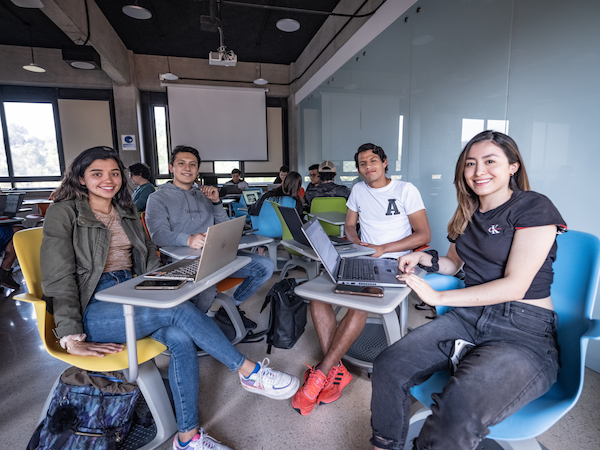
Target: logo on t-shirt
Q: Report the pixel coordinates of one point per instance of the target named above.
(392, 208)
(494, 229)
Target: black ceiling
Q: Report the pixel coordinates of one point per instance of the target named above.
(174, 29)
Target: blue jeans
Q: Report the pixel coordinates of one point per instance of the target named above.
(255, 274)
(181, 329)
(6, 234)
(515, 361)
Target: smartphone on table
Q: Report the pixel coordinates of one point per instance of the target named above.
(161, 284)
(369, 291)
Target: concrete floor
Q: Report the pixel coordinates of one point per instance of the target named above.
(240, 419)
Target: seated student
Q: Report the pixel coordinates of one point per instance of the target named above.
(93, 239)
(283, 171)
(139, 174)
(289, 188)
(505, 237)
(313, 173)
(180, 212)
(236, 181)
(327, 187)
(387, 209)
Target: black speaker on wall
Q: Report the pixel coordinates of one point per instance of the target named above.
(82, 57)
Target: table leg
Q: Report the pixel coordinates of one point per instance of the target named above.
(391, 326)
(341, 230)
(129, 313)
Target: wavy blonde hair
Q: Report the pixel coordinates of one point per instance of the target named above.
(468, 201)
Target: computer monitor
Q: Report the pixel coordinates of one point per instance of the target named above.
(251, 196)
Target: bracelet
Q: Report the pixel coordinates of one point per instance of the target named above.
(218, 203)
(435, 267)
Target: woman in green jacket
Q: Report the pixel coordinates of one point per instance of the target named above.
(93, 240)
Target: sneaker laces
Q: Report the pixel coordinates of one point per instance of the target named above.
(266, 375)
(208, 442)
(314, 383)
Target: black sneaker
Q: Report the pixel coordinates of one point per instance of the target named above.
(7, 280)
(222, 316)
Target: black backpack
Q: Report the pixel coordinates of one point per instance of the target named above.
(288, 315)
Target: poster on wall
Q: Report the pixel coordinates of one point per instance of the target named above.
(128, 142)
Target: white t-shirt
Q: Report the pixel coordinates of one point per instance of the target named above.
(383, 212)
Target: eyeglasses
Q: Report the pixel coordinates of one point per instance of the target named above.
(314, 175)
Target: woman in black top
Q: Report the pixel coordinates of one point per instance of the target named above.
(503, 235)
(289, 188)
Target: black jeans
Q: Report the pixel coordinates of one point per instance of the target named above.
(515, 360)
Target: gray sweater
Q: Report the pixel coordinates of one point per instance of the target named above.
(174, 214)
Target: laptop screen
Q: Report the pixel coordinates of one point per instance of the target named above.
(12, 204)
(251, 196)
(322, 245)
(294, 223)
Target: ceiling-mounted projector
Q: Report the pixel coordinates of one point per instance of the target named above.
(222, 57)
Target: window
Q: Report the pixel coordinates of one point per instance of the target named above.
(226, 166)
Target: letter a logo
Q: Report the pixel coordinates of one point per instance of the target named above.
(392, 207)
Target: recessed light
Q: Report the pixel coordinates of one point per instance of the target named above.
(288, 25)
(169, 76)
(32, 67)
(136, 12)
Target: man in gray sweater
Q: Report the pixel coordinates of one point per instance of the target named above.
(180, 212)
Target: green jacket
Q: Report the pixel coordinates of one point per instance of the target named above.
(73, 256)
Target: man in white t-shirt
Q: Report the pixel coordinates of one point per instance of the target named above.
(393, 222)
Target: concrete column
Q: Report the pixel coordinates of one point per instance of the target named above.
(127, 118)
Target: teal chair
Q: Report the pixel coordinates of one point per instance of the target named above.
(576, 272)
(325, 204)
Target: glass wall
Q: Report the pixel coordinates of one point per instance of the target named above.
(426, 85)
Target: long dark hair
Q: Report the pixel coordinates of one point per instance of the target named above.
(70, 188)
(289, 187)
(468, 201)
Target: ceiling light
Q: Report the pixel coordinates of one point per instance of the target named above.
(33, 67)
(260, 80)
(136, 12)
(28, 3)
(83, 65)
(288, 25)
(83, 57)
(169, 76)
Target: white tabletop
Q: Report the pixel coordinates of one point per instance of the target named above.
(246, 241)
(321, 288)
(332, 217)
(125, 293)
(357, 250)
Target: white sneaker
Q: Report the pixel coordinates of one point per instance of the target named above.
(202, 441)
(270, 382)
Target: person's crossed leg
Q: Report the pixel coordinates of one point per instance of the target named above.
(324, 382)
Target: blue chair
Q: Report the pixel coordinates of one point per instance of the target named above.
(242, 204)
(576, 272)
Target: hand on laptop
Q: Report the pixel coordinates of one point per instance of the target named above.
(211, 192)
(379, 249)
(196, 241)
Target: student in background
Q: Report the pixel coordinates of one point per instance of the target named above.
(283, 171)
(236, 181)
(93, 239)
(289, 188)
(139, 174)
(388, 209)
(327, 186)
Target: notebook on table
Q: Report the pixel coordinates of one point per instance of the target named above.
(356, 271)
(294, 223)
(220, 248)
(251, 196)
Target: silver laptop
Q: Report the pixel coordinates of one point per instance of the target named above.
(251, 196)
(361, 271)
(220, 248)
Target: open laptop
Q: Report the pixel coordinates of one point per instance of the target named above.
(12, 205)
(294, 223)
(251, 196)
(229, 190)
(357, 271)
(220, 248)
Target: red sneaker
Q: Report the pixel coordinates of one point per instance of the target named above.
(305, 399)
(337, 380)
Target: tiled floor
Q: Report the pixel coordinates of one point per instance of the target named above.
(238, 418)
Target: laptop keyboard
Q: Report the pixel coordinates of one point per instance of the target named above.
(188, 271)
(363, 269)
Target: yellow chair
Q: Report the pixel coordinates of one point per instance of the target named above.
(311, 267)
(326, 204)
(27, 246)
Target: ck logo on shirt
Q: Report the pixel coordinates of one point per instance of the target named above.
(494, 229)
(392, 209)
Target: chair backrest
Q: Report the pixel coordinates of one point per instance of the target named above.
(27, 246)
(325, 204)
(267, 223)
(286, 234)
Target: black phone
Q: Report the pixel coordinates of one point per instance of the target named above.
(369, 291)
(161, 284)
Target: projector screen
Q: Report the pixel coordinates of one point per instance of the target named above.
(224, 124)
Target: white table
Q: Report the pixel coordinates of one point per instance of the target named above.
(358, 250)
(394, 323)
(332, 217)
(246, 241)
(126, 294)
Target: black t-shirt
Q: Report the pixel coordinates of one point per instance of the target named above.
(326, 190)
(485, 245)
